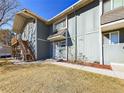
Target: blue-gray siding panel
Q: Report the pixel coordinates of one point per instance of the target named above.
(43, 45)
(86, 22)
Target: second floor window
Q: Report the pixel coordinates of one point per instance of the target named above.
(106, 5)
(117, 3)
(61, 25)
(112, 4)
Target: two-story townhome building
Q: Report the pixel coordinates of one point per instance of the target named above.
(90, 30)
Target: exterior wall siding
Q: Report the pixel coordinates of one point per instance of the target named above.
(87, 26)
(43, 45)
(114, 54)
(51, 44)
(71, 38)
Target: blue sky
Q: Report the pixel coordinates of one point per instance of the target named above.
(46, 8)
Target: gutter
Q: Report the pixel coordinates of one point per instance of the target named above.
(71, 7)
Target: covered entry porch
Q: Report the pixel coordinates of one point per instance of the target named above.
(58, 41)
(113, 44)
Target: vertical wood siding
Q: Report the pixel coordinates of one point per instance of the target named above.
(87, 33)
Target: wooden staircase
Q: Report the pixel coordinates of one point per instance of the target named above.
(27, 53)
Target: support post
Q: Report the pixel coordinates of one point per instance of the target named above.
(66, 38)
(100, 31)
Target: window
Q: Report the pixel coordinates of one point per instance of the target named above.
(112, 4)
(60, 25)
(106, 5)
(111, 38)
(117, 3)
(114, 37)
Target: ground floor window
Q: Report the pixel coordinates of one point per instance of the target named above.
(62, 43)
(111, 37)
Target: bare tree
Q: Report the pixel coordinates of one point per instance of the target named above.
(7, 11)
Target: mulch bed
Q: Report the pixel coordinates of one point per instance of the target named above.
(96, 65)
(93, 65)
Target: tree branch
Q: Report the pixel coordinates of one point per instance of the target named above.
(7, 8)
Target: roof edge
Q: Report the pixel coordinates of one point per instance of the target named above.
(32, 14)
(65, 10)
(70, 9)
(56, 17)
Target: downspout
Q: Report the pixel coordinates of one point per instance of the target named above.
(75, 35)
(36, 41)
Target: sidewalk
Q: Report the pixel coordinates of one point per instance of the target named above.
(110, 73)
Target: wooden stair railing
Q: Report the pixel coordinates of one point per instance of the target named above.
(28, 55)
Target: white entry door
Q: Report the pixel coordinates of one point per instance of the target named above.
(55, 50)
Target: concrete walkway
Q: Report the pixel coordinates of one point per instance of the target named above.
(91, 69)
(110, 73)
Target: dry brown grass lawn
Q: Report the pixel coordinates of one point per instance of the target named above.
(47, 78)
